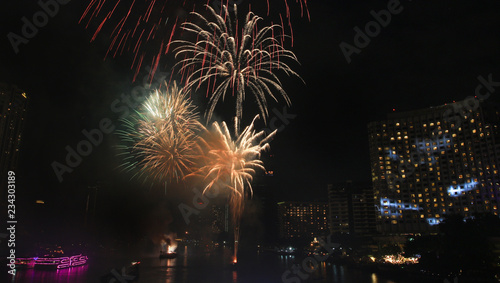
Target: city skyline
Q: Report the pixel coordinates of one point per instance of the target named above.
(322, 136)
(93, 86)
(267, 141)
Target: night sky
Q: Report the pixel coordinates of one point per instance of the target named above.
(429, 54)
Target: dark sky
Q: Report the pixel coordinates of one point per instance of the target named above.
(428, 54)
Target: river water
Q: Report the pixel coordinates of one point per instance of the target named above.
(195, 266)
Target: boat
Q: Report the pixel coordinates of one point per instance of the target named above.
(51, 263)
(167, 249)
(286, 251)
(59, 262)
(164, 254)
(24, 262)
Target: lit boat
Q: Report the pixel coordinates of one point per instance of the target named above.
(286, 251)
(167, 249)
(25, 262)
(164, 254)
(59, 262)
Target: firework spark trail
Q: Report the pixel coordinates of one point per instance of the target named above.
(143, 27)
(142, 30)
(240, 60)
(230, 164)
(161, 139)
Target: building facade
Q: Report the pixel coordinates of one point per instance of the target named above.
(351, 209)
(429, 163)
(13, 103)
(219, 219)
(340, 209)
(302, 220)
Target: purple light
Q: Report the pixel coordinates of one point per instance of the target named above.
(58, 262)
(72, 261)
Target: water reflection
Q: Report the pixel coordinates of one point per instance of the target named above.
(73, 274)
(185, 255)
(338, 273)
(235, 276)
(326, 272)
(195, 265)
(287, 260)
(170, 267)
(323, 269)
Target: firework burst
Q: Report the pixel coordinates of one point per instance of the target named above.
(227, 59)
(230, 164)
(145, 28)
(161, 139)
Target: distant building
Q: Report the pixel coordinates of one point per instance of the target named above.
(264, 198)
(302, 220)
(213, 222)
(13, 103)
(351, 209)
(429, 163)
(219, 218)
(340, 209)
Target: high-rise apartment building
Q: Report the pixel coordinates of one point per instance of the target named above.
(13, 102)
(340, 209)
(433, 162)
(213, 220)
(220, 218)
(351, 209)
(302, 220)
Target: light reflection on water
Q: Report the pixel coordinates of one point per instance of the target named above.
(74, 274)
(195, 265)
